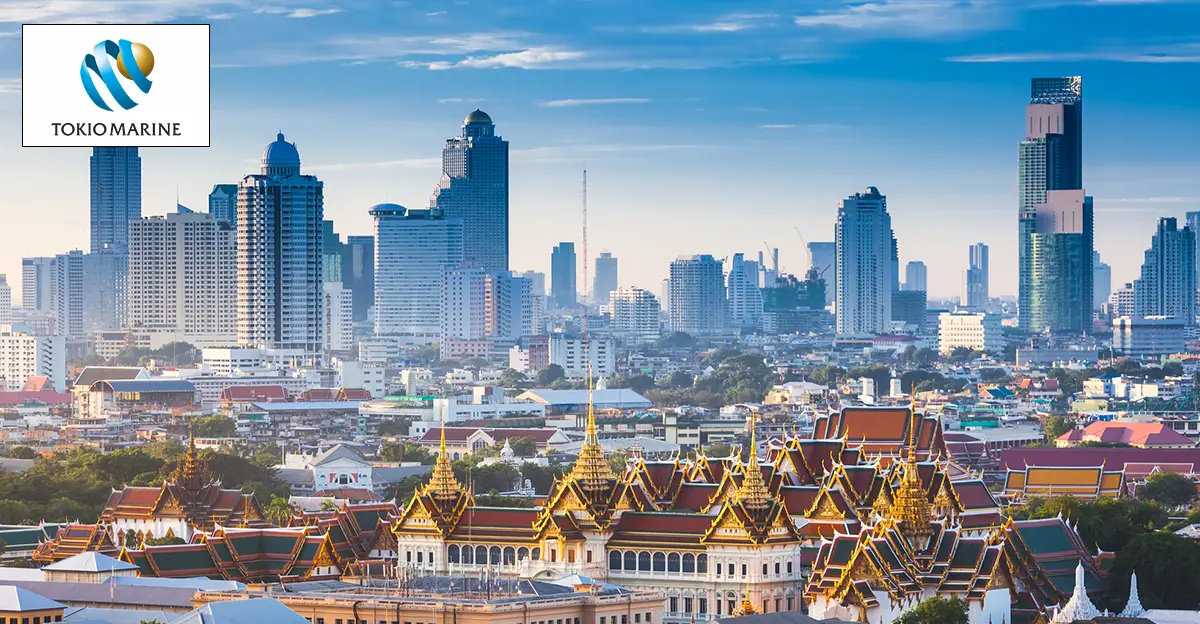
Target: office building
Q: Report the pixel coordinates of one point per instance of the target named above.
(358, 273)
(606, 278)
(279, 278)
(105, 296)
(635, 314)
(23, 356)
(915, 276)
(975, 282)
(697, 296)
(68, 296)
(116, 194)
(412, 248)
(537, 299)
(474, 188)
(977, 331)
(222, 203)
(1060, 249)
(183, 279)
(1149, 337)
(823, 258)
(6, 309)
(464, 304)
(1167, 286)
(339, 318)
(575, 356)
(1122, 302)
(1051, 159)
(1193, 223)
(745, 297)
(37, 285)
(1101, 280)
(483, 312)
(332, 252)
(865, 267)
(508, 306)
(563, 293)
(908, 307)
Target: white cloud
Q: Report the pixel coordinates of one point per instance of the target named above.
(306, 13)
(111, 11)
(731, 23)
(403, 163)
(594, 101)
(913, 18)
(1175, 53)
(10, 85)
(459, 100)
(533, 58)
(776, 126)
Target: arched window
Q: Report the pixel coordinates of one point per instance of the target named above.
(673, 562)
(510, 555)
(494, 555)
(789, 568)
(614, 560)
(452, 553)
(660, 562)
(481, 555)
(468, 554)
(630, 561)
(702, 563)
(689, 563)
(644, 562)
(522, 553)
(537, 554)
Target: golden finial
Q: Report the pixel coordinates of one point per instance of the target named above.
(753, 492)
(191, 474)
(591, 470)
(443, 485)
(911, 507)
(747, 607)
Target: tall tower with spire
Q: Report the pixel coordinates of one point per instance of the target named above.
(474, 188)
(911, 507)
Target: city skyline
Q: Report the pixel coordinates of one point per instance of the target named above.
(647, 131)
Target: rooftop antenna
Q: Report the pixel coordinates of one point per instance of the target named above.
(587, 347)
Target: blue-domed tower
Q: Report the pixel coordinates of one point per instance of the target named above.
(280, 278)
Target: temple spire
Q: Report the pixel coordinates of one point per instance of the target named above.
(1079, 607)
(912, 508)
(443, 485)
(591, 470)
(1133, 607)
(753, 492)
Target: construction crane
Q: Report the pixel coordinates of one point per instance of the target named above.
(812, 268)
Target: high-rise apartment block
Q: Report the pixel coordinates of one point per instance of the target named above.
(183, 279)
(332, 251)
(358, 273)
(635, 314)
(116, 190)
(23, 356)
(916, 276)
(1055, 253)
(339, 318)
(279, 277)
(977, 331)
(563, 292)
(745, 297)
(606, 278)
(480, 306)
(222, 203)
(413, 248)
(69, 294)
(6, 309)
(697, 295)
(474, 188)
(1101, 280)
(975, 282)
(1167, 286)
(38, 285)
(865, 265)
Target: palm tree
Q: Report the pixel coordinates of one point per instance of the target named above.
(279, 511)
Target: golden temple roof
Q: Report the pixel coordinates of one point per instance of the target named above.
(442, 485)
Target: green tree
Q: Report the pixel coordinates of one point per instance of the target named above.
(164, 541)
(880, 374)
(267, 456)
(826, 374)
(1168, 489)
(328, 505)
(123, 465)
(20, 452)
(214, 427)
(677, 340)
(512, 378)
(549, 375)
(936, 610)
(679, 380)
(523, 446)
(165, 450)
(1057, 425)
(1168, 569)
(3, 547)
(1107, 524)
(278, 511)
(406, 452)
(962, 354)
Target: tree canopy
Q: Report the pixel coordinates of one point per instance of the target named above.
(1168, 569)
(1168, 489)
(936, 610)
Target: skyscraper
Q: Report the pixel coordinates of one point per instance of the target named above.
(1049, 159)
(915, 276)
(358, 273)
(605, 280)
(635, 313)
(474, 188)
(697, 295)
(1193, 223)
(745, 297)
(562, 276)
(1060, 257)
(824, 260)
(222, 202)
(975, 283)
(68, 295)
(183, 279)
(332, 251)
(412, 249)
(37, 285)
(5, 301)
(1102, 280)
(280, 300)
(338, 313)
(864, 264)
(1167, 286)
(116, 189)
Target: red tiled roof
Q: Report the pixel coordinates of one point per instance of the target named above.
(254, 394)
(319, 394)
(28, 397)
(1136, 434)
(356, 394)
(37, 383)
(1110, 458)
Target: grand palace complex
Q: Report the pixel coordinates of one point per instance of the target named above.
(859, 522)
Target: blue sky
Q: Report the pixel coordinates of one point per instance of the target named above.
(705, 126)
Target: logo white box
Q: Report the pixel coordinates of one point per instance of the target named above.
(173, 112)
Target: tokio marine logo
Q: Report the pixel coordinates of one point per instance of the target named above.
(134, 61)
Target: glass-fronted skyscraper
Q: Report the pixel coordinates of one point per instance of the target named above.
(116, 190)
(413, 248)
(1051, 159)
(563, 292)
(866, 266)
(698, 304)
(474, 189)
(975, 282)
(358, 273)
(1167, 286)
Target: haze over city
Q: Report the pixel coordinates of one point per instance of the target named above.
(706, 127)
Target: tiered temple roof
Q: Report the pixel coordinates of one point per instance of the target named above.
(73, 539)
(246, 555)
(1078, 481)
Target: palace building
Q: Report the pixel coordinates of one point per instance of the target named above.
(859, 522)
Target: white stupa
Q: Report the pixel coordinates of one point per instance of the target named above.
(1133, 607)
(1079, 607)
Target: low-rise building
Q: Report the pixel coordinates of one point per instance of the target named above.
(141, 395)
(462, 441)
(341, 467)
(1150, 336)
(976, 331)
